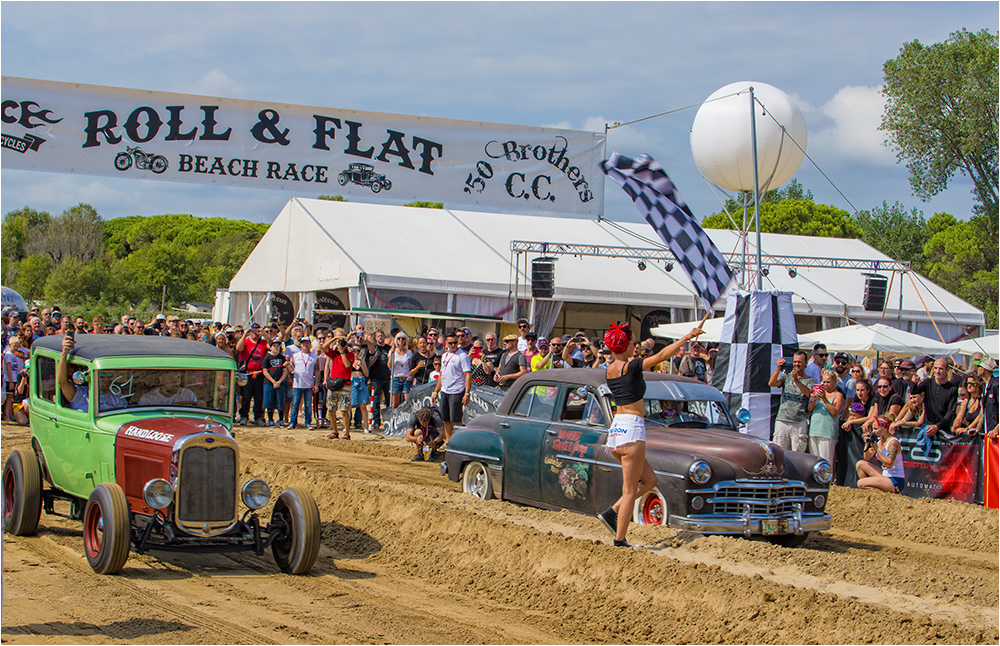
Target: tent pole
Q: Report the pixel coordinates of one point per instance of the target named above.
(756, 189)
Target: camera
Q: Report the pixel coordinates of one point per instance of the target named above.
(342, 343)
(871, 440)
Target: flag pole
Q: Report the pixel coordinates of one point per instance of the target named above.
(756, 189)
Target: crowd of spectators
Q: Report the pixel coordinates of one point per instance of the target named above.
(349, 380)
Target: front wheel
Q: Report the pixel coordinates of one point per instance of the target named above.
(123, 161)
(342, 178)
(106, 529)
(788, 540)
(651, 509)
(22, 493)
(476, 480)
(296, 551)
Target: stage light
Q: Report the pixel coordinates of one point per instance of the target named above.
(765, 271)
(642, 265)
(669, 266)
(792, 273)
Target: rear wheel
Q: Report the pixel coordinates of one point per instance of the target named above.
(651, 509)
(476, 480)
(296, 551)
(22, 493)
(106, 529)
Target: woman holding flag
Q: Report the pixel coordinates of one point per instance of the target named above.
(627, 436)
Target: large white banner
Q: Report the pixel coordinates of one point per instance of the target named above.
(96, 130)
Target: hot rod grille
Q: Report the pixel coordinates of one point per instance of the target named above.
(206, 485)
(762, 500)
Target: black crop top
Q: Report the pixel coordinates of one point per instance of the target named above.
(630, 387)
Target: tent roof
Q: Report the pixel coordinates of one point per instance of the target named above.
(323, 245)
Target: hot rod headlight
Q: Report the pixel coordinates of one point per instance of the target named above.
(255, 493)
(700, 472)
(823, 472)
(158, 493)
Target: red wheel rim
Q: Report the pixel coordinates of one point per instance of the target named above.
(652, 510)
(93, 531)
(8, 494)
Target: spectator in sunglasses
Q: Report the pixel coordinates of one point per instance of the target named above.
(818, 364)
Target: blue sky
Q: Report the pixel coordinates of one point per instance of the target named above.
(574, 65)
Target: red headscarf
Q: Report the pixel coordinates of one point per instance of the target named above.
(618, 337)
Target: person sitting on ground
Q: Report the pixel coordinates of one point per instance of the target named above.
(425, 428)
(888, 454)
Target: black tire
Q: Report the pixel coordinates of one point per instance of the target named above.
(376, 186)
(476, 481)
(296, 552)
(158, 165)
(123, 161)
(106, 529)
(22, 493)
(788, 540)
(342, 179)
(386, 184)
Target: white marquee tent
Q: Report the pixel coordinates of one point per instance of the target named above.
(380, 256)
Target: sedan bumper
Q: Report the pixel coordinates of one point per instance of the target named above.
(748, 525)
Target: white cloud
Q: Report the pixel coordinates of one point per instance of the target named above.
(848, 127)
(218, 83)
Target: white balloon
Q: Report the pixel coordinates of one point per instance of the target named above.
(721, 137)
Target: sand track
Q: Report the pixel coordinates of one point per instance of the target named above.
(407, 558)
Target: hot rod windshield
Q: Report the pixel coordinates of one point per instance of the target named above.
(132, 388)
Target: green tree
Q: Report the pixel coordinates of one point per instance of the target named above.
(941, 114)
(796, 217)
(77, 233)
(896, 232)
(15, 228)
(30, 275)
(961, 257)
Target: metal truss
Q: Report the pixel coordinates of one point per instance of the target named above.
(734, 259)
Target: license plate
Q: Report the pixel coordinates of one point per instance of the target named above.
(770, 526)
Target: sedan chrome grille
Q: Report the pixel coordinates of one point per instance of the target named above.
(731, 498)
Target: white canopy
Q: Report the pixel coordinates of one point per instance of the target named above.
(462, 261)
(712, 329)
(867, 340)
(988, 345)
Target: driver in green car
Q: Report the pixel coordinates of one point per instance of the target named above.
(77, 396)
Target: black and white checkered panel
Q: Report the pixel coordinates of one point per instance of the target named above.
(759, 328)
(656, 197)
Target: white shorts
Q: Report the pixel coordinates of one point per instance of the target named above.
(626, 429)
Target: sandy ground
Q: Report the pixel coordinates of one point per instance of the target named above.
(407, 558)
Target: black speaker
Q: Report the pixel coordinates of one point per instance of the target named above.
(875, 287)
(543, 277)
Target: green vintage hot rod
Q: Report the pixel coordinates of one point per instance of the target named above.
(140, 446)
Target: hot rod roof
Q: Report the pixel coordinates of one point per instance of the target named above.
(94, 346)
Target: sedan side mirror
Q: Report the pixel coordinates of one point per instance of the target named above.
(241, 379)
(80, 378)
(742, 416)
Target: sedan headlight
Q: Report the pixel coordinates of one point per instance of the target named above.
(700, 472)
(255, 493)
(158, 493)
(823, 472)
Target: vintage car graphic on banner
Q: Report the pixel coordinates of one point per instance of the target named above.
(97, 130)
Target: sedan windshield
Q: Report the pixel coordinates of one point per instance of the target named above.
(129, 388)
(697, 412)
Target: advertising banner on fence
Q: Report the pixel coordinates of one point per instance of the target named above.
(97, 130)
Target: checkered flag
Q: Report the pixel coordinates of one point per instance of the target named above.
(654, 195)
(759, 329)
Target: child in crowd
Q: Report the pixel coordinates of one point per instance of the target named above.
(275, 374)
